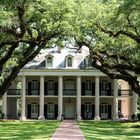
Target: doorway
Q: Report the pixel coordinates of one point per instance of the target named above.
(34, 111)
(69, 110)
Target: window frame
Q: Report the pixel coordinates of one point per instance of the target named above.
(49, 61)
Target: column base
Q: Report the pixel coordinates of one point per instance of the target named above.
(60, 118)
(23, 118)
(115, 119)
(41, 118)
(79, 118)
(97, 118)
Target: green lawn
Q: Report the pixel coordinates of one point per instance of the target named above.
(33, 130)
(108, 130)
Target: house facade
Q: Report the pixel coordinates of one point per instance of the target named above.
(61, 84)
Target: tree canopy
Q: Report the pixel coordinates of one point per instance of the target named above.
(114, 39)
(27, 26)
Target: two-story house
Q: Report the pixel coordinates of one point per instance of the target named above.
(61, 83)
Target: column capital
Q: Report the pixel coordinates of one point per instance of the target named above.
(97, 76)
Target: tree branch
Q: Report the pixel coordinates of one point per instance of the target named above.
(121, 32)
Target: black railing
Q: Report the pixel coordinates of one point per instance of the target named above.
(69, 92)
(125, 92)
(14, 92)
(32, 92)
(51, 92)
(106, 93)
(88, 92)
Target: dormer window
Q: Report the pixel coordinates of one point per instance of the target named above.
(49, 61)
(69, 61)
(87, 62)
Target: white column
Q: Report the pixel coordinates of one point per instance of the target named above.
(97, 99)
(41, 107)
(134, 103)
(23, 99)
(4, 105)
(115, 100)
(78, 99)
(60, 97)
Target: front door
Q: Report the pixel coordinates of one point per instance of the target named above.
(34, 111)
(69, 111)
(50, 111)
(104, 111)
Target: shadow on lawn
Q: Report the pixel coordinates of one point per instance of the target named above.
(109, 130)
(27, 130)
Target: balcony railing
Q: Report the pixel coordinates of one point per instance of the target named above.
(69, 92)
(32, 92)
(106, 93)
(125, 92)
(88, 92)
(51, 92)
(14, 92)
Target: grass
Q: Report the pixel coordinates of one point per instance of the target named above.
(109, 130)
(33, 130)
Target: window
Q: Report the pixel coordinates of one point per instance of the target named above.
(34, 85)
(88, 85)
(70, 84)
(69, 62)
(51, 85)
(87, 62)
(49, 61)
(104, 86)
(104, 111)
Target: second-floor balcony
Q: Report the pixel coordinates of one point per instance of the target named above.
(69, 92)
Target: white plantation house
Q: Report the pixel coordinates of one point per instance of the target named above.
(60, 83)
